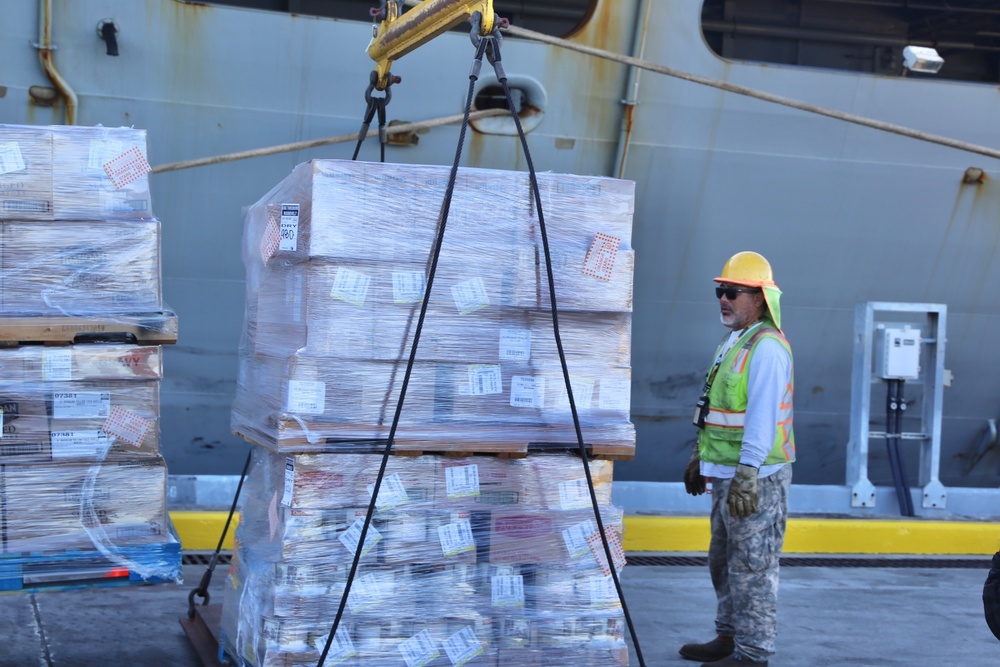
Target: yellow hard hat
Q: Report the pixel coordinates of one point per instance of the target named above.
(747, 268)
(750, 269)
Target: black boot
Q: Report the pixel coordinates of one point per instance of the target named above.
(717, 649)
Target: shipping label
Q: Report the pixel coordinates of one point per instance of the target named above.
(408, 286)
(470, 296)
(615, 395)
(583, 395)
(462, 646)
(80, 444)
(456, 538)
(11, 159)
(419, 649)
(286, 495)
(485, 379)
(350, 286)
(507, 590)
(527, 391)
(574, 494)
(81, 404)
(351, 537)
(391, 493)
(462, 481)
(515, 344)
(341, 647)
(576, 538)
(57, 365)
(306, 397)
(289, 228)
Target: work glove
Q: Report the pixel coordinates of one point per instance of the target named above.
(743, 492)
(694, 483)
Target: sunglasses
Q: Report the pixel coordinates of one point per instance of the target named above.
(732, 293)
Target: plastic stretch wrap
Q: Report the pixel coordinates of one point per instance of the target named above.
(476, 560)
(79, 403)
(79, 268)
(337, 257)
(73, 173)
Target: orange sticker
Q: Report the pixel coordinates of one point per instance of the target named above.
(600, 259)
(614, 543)
(127, 167)
(127, 425)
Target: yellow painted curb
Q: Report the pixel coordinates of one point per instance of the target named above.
(200, 531)
(827, 536)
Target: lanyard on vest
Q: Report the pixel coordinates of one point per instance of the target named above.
(701, 407)
(722, 355)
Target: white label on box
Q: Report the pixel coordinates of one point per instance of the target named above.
(350, 286)
(365, 592)
(485, 379)
(306, 397)
(419, 649)
(352, 536)
(288, 228)
(602, 591)
(574, 494)
(462, 480)
(102, 151)
(81, 404)
(57, 365)
(10, 158)
(341, 648)
(615, 395)
(79, 444)
(515, 344)
(286, 495)
(507, 590)
(583, 394)
(576, 538)
(470, 295)
(527, 391)
(456, 538)
(390, 493)
(408, 286)
(462, 646)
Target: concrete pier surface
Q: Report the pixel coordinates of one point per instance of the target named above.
(878, 613)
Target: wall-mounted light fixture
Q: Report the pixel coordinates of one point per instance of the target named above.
(921, 59)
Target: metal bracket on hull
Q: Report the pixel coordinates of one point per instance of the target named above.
(933, 495)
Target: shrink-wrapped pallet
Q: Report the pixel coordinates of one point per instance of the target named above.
(79, 268)
(337, 259)
(73, 173)
(465, 558)
(79, 403)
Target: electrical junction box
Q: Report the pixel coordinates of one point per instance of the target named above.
(901, 354)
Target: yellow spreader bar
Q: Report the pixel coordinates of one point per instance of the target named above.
(199, 531)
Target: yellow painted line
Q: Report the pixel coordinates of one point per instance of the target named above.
(200, 531)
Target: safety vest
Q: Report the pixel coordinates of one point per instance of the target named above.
(720, 440)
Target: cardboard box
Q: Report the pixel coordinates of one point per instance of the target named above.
(25, 172)
(79, 268)
(121, 503)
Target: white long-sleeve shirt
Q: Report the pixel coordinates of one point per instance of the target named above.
(769, 375)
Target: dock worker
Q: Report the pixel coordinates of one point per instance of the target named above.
(746, 447)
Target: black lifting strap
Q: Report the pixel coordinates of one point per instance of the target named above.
(493, 55)
(436, 253)
(375, 105)
(991, 597)
(206, 579)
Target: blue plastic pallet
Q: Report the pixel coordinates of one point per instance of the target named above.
(73, 569)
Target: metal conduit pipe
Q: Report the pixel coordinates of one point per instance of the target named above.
(789, 32)
(45, 49)
(631, 100)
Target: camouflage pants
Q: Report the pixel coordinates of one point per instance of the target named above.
(743, 561)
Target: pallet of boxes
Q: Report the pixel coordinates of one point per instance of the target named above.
(82, 322)
(483, 548)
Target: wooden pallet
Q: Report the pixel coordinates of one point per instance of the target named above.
(73, 569)
(139, 328)
(465, 443)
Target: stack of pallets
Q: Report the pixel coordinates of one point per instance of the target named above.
(484, 547)
(82, 480)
